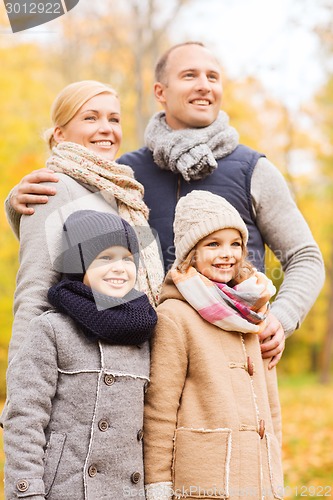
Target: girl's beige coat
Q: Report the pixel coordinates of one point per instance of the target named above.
(212, 416)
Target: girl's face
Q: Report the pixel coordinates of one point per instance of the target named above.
(112, 272)
(96, 125)
(219, 255)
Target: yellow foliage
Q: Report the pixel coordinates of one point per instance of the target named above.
(307, 411)
(104, 46)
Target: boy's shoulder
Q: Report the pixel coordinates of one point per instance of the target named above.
(53, 319)
(58, 329)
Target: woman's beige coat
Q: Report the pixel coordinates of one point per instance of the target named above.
(212, 425)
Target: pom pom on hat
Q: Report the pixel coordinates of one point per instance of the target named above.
(199, 214)
(86, 233)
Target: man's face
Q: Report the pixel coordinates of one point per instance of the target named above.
(192, 91)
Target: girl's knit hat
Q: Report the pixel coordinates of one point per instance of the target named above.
(199, 214)
(86, 233)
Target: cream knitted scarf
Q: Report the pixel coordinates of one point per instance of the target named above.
(116, 181)
(191, 152)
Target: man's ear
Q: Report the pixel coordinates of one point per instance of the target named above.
(58, 135)
(159, 92)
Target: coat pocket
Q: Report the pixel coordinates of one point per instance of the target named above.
(275, 466)
(201, 463)
(52, 458)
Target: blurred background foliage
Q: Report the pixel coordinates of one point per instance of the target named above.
(118, 43)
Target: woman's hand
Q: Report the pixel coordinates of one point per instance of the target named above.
(30, 191)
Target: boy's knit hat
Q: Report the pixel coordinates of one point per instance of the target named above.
(86, 233)
(199, 214)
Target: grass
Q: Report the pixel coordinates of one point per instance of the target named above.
(307, 412)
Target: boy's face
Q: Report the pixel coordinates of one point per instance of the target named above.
(219, 255)
(112, 272)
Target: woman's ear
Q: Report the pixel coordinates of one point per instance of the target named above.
(58, 135)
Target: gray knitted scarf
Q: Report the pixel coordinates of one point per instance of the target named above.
(191, 152)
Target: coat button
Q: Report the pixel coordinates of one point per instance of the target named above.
(92, 471)
(22, 485)
(109, 379)
(103, 425)
(140, 435)
(261, 428)
(135, 477)
(250, 367)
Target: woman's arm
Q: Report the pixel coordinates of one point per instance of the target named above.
(35, 275)
(32, 189)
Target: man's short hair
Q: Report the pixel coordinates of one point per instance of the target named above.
(160, 73)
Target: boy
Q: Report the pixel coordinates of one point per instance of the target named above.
(76, 385)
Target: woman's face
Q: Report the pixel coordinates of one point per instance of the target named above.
(96, 126)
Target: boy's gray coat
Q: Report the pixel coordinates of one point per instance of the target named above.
(73, 426)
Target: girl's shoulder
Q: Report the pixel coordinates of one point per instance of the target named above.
(177, 310)
(172, 303)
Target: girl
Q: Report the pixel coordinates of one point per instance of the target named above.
(212, 416)
(73, 428)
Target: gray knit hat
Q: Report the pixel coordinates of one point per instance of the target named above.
(199, 214)
(86, 233)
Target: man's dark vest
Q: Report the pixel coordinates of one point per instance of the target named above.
(231, 179)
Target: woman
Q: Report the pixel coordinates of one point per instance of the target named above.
(85, 138)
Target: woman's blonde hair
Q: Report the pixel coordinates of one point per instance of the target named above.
(69, 101)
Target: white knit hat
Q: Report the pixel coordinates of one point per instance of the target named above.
(199, 214)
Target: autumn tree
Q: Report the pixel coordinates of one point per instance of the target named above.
(119, 42)
(324, 120)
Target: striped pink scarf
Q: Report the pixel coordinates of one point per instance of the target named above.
(242, 309)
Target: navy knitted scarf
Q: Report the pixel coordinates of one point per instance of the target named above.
(122, 321)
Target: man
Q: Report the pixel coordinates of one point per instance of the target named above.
(190, 145)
